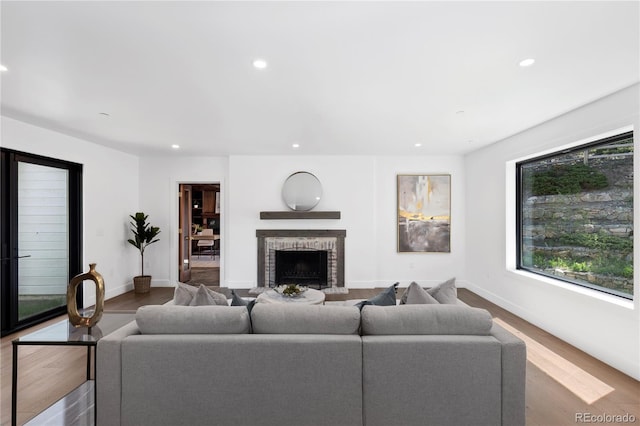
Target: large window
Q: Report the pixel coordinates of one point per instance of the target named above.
(575, 215)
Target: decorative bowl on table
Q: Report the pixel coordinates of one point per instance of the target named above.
(290, 290)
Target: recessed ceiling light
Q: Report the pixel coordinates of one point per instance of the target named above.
(260, 64)
(174, 146)
(295, 145)
(527, 62)
(417, 145)
(3, 68)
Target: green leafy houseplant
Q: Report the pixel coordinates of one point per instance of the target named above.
(144, 235)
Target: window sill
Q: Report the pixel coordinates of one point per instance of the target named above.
(595, 294)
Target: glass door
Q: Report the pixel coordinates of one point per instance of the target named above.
(43, 238)
(41, 247)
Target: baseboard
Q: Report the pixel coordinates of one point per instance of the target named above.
(161, 283)
(360, 284)
(403, 283)
(503, 303)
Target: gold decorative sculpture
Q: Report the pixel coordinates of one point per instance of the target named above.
(75, 318)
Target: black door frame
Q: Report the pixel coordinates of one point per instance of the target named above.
(9, 235)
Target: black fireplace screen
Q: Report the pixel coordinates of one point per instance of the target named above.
(307, 268)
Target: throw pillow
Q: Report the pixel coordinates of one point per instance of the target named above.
(183, 294)
(445, 292)
(416, 295)
(387, 297)
(204, 297)
(239, 301)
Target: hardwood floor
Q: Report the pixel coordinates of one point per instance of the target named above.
(47, 373)
(549, 399)
(562, 381)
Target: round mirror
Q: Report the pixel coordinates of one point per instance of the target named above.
(301, 191)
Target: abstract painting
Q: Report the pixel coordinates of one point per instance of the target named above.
(424, 213)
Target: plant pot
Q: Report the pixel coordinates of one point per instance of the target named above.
(142, 284)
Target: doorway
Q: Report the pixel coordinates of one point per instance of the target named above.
(199, 233)
(41, 237)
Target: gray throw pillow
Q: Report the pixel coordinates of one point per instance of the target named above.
(387, 297)
(204, 297)
(239, 301)
(416, 295)
(445, 292)
(183, 294)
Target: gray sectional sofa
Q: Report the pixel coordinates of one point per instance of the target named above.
(311, 365)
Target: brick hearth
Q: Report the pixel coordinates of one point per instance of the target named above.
(270, 240)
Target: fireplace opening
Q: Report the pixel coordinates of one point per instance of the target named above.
(304, 267)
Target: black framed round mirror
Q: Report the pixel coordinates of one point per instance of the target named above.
(301, 191)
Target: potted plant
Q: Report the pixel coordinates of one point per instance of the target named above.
(144, 235)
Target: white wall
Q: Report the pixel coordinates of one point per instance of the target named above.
(363, 188)
(604, 326)
(110, 193)
(160, 178)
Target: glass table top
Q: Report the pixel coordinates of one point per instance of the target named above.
(63, 332)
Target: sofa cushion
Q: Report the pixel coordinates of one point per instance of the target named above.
(425, 319)
(416, 295)
(304, 319)
(165, 319)
(445, 292)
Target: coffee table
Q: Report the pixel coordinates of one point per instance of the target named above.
(309, 297)
(64, 334)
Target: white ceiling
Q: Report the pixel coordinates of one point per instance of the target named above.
(343, 77)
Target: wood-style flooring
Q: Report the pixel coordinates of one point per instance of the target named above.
(562, 381)
(47, 373)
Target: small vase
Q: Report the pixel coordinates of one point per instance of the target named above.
(75, 318)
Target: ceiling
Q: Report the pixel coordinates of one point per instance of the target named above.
(343, 78)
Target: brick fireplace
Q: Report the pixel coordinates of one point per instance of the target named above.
(322, 249)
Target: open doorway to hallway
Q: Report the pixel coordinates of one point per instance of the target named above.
(199, 233)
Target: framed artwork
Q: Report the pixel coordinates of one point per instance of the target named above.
(424, 213)
(217, 209)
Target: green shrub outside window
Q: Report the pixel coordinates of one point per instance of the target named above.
(575, 215)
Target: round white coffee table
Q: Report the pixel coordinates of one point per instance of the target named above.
(309, 297)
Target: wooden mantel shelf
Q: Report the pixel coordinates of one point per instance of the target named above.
(300, 215)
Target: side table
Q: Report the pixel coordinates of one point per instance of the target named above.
(64, 334)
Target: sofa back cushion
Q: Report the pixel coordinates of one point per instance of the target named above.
(166, 319)
(304, 319)
(425, 319)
